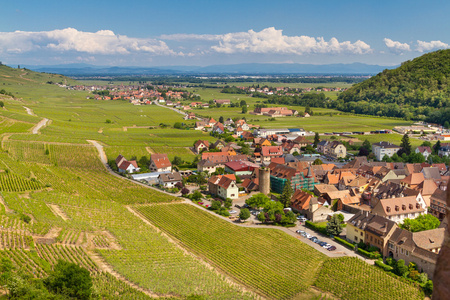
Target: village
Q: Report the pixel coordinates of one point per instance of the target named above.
(374, 196)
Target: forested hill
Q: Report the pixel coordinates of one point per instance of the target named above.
(418, 89)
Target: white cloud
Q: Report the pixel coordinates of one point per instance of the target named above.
(396, 46)
(428, 46)
(271, 40)
(70, 39)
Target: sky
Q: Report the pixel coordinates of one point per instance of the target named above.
(200, 33)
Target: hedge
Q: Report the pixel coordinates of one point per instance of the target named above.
(315, 227)
(344, 242)
(371, 255)
(380, 264)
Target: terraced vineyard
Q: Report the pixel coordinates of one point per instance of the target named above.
(366, 282)
(269, 261)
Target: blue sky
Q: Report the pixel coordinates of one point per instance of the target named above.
(155, 33)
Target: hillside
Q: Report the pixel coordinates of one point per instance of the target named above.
(415, 90)
(58, 201)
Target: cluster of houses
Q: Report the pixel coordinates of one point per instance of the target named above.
(374, 196)
(287, 91)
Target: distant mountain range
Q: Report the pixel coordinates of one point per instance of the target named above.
(236, 69)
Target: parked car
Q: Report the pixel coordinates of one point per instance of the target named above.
(332, 248)
(232, 212)
(201, 203)
(308, 236)
(303, 234)
(317, 241)
(237, 206)
(322, 244)
(300, 231)
(314, 239)
(326, 246)
(302, 219)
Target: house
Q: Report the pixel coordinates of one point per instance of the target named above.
(126, 166)
(421, 248)
(431, 173)
(268, 152)
(438, 204)
(200, 125)
(240, 167)
(223, 186)
(300, 201)
(260, 142)
(424, 150)
(291, 147)
(412, 180)
(399, 209)
(160, 163)
(370, 229)
(169, 180)
(336, 150)
(222, 101)
(218, 128)
(320, 189)
(381, 149)
(444, 150)
(200, 146)
(318, 211)
(243, 124)
(299, 178)
(211, 122)
(219, 144)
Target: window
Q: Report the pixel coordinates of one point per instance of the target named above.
(406, 252)
(356, 238)
(361, 233)
(401, 250)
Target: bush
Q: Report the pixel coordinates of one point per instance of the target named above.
(371, 255)
(380, 264)
(25, 218)
(344, 243)
(318, 228)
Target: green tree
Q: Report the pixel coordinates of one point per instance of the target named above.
(437, 147)
(257, 201)
(227, 203)
(178, 125)
(2, 104)
(196, 196)
(216, 205)
(366, 144)
(334, 225)
(400, 268)
(406, 144)
(244, 214)
(221, 119)
(286, 196)
(261, 217)
(446, 124)
(421, 223)
(317, 161)
(316, 139)
(244, 109)
(70, 280)
(243, 103)
(177, 161)
(341, 218)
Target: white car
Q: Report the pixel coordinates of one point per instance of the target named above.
(308, 236)
(302, 219)
(232, 212)
(326, 246)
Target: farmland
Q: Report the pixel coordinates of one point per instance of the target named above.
(55, 190)
(367, 282)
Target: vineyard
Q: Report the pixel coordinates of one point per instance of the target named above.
(366, 281)
(250, 255)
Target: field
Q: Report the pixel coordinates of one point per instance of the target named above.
(59, 202)
(367, 282)
(256, 262)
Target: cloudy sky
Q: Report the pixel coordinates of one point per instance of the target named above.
(161, 33)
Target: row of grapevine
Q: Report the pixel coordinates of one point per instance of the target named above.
(52, 253)
(10, 182)
(14, 240)
(250, 255)
(351, 278)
